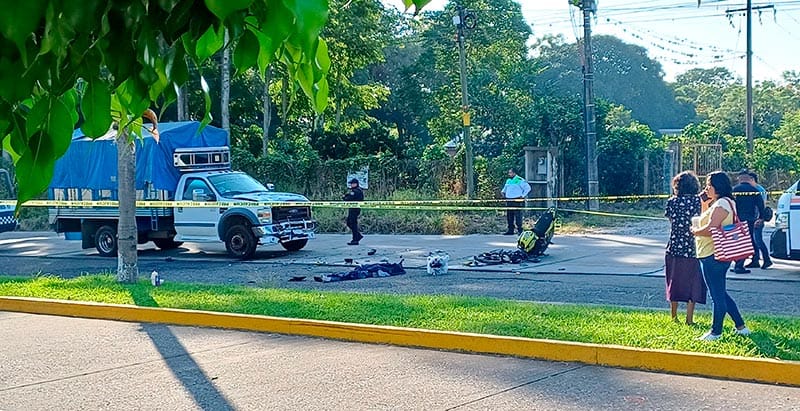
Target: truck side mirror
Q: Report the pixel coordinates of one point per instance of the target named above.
(198, 194)
(270, 187)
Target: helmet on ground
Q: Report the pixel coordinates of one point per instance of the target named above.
(526, 241)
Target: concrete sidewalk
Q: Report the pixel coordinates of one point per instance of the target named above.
(56, 363)
(601, 254)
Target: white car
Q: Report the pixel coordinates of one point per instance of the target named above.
(785, 241)
(7, 220)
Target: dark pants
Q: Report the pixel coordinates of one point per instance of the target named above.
(714, 273)
(352, 224)
(760, 249)
(740, 263)
(514, 216)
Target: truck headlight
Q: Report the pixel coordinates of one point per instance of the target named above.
(782, 221)
(265, 215)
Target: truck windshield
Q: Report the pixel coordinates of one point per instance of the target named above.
(235, 183)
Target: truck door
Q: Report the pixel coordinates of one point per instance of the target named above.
(197, 223)
(794, 220)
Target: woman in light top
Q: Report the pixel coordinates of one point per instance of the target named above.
(718, 210)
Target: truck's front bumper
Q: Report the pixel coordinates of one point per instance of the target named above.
(287, 231)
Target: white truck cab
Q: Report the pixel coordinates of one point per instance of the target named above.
(241, 227)
(785, 241)
(206, 177)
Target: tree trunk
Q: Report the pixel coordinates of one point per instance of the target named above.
(646, 174)
(284, 102)
(127, 259)
(267, 112)
(339, 109)
(182, 104)
(226, 84)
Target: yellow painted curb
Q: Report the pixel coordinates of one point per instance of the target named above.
(707, 365)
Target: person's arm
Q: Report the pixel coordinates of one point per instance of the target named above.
(526, 188)
(717, 217)
(760, 205)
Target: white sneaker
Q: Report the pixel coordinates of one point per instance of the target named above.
(743, 331)
(709, 337)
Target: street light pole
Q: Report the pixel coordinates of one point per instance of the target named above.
(459, 21)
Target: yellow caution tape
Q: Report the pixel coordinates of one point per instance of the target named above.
(333, 204)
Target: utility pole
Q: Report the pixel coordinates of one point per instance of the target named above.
(749, 76)
(465, 20)
(749, 121)
(589, 120)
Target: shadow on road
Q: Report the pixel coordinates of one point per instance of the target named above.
(180, 362)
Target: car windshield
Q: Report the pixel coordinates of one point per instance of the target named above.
(235, 183)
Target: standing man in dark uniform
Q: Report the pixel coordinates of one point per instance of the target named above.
(355, 194)
(749, 207)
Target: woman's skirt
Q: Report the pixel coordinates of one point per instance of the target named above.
(684, 280)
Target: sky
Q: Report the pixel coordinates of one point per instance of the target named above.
(678, 33)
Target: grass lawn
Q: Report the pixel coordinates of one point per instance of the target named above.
(773, 337)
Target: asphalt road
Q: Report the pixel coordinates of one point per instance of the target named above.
(752, 295)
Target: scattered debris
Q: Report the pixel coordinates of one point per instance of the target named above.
(297, 278)
(372, 251)
(364, 271)
(500, 256)
(155, 279)
(437, 262)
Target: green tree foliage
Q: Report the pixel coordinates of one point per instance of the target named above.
(137, 52)
(498, 77)
(716, 96)
(358, 32)
(624, 75)
(411, 79)
(621, 153)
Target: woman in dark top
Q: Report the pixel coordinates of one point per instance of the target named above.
(682, 268)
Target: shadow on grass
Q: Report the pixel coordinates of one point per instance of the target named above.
(178, 359)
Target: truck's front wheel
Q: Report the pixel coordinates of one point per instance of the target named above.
(105, 241)
(240, 242)
(295, 245)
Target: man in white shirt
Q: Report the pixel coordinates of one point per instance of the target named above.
(515, 191)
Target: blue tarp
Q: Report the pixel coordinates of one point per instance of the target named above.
(92, 164)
